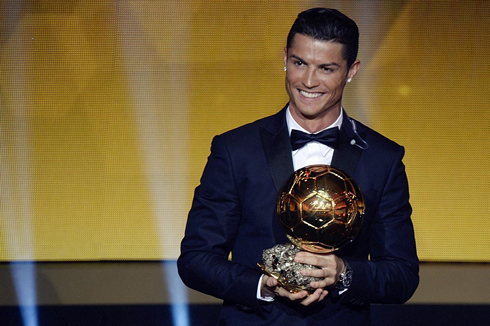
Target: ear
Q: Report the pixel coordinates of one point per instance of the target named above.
(354, 68)
(285, 55)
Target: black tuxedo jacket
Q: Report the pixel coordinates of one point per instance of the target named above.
(234, 211)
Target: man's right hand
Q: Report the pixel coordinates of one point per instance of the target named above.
(271, 288)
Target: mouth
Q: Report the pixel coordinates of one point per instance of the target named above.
(310, 95)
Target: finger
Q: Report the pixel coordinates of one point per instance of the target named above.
(316, 272)
(323, 295)
(326, 275)
(293, 296)
(328, 262)
(320, 284)
(324, 282)
(313, 298)
(271, 282)
(304, 257)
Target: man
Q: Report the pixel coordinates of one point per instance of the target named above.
(234, 206)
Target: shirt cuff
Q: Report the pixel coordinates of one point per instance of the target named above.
(259, 294)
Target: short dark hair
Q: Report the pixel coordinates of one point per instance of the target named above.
(328, 25)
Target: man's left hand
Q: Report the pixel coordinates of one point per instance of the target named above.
(331, 267)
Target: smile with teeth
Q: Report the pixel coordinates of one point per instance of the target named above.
(310, 95)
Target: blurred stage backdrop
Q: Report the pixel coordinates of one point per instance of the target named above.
(108, 108)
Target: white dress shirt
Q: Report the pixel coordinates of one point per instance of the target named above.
(313, 152)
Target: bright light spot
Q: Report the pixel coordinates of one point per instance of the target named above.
(404, 90)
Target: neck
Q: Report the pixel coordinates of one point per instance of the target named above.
(317, 123)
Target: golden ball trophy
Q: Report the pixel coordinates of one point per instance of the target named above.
(320, 208)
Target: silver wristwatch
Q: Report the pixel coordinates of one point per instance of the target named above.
(345, 278)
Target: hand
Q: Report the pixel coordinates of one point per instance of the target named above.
(271, 288)
(331, 267)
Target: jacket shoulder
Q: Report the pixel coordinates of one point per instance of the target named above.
(272, 123)
(375, 139)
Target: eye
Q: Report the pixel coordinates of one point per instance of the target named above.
(298, 63)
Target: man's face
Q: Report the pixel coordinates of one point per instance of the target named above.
(315, 80)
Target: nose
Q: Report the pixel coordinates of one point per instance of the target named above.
(310, 79)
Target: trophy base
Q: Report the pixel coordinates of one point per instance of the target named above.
(278, 262)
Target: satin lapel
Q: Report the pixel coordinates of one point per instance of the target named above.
(277, 150)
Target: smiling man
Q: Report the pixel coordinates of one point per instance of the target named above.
(316, 74)
(234, 206)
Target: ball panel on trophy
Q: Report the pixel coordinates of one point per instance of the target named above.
(317, 211)
(307, 186)
(330, 184)
(291, 207)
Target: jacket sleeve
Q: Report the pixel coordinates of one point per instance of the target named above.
(212, 226)
(391, 273)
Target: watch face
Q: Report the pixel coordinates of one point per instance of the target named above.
(347, 279)
(344, 280)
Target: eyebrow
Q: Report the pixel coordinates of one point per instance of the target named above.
(323, 65)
